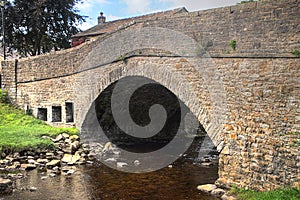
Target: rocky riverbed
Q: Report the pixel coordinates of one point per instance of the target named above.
(69, 153)
(68, 159)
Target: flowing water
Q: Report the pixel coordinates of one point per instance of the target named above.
(100, 182)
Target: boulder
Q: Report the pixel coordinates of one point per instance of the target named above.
(67, 158)
(70, 159)
(49, 155)
(42, 161)
(6, 186)
(65, 135)
(136, 163)
(70, 172)
(28, 166)
(58, 138)
(218, 192)
(226, 197)
(74, 137)
(207, 188)
(32, 189)
(75, 145)
(31, 161)
(107, 147)
(53, 163)
(121, 164)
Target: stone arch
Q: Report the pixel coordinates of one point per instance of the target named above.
(165, 71)
(187, 71)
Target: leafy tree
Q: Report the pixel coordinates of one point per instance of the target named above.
(35, 27)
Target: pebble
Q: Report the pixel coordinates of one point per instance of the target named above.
(52, 175)
(121, 164)
(32, 189)
(136, 163)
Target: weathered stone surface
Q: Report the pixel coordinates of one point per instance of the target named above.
(227, 197)
(67, 158)
(28, 166)
(70, 159)
(42, 161)
(121, 164)
(5, 186)
(65, 135)
(207, 187)
(53, 163)
(32, 189)
(218, 192)
(75, 145)
(74, 137)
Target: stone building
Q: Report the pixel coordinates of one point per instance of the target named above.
(104, 27)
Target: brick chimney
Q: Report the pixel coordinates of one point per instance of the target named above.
(101, 19)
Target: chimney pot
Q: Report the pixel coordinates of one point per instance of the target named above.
(101, 18)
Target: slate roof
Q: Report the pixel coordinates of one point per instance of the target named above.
(117, 24)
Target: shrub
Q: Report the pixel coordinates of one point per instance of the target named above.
(296, 53)
(232, 44)
(3, 96)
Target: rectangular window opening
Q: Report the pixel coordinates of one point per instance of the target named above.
(56, 113)
(69, 112)
(42, 114)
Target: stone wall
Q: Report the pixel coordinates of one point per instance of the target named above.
(249, 99)
(261, 99)
(263, 104)
(260, 29)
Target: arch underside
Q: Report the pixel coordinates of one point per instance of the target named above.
(174, 74)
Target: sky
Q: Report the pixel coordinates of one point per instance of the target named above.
(119, 9)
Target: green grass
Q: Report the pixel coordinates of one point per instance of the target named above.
(19, 131)
(279, 194)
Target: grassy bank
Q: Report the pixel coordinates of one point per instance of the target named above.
(19, 131)
(279, 194)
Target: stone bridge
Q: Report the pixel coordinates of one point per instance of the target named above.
(246, 96)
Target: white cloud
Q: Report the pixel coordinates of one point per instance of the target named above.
(88, 24)
(112, 17)
(193, 5)
(87, 5)
(137, 6)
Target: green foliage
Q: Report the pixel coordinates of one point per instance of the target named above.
(232, 44)
(296, 53)
(3, 96)
(242, 2)
(121, 58)
(19, 131)
(279, 194)
(39, 26)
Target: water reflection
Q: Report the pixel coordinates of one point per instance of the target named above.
(98, 181)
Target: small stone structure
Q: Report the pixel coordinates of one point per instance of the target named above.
(247, 98)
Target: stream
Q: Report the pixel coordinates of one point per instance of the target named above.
(97, 181)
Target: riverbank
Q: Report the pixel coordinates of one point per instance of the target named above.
(20, 131)
(60, 160)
